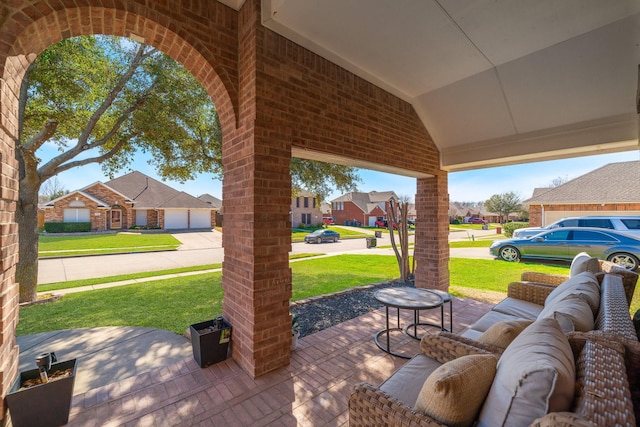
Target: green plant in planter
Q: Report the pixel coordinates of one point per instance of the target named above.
(295, 325)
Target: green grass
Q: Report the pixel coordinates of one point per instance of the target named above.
(175, 303)
(471, 244)
(327, 275)
(104, 243)
(493, 275)
(48, 287)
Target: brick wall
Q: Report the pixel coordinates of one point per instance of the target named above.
(349, 213)
(272, 96)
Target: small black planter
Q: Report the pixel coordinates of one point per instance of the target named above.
(43, 405)
(210, 341)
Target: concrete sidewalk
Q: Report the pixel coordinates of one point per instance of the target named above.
(106, 355)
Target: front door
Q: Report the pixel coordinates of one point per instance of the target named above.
(116, 219)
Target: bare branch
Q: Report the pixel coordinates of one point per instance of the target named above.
(97, 159)
(95, 117)
(41, 137)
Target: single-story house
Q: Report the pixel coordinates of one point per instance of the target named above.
(361, 208)
(613, 189)
(134, 199)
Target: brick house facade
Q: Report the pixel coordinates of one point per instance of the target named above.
(143, 205)
(613, 189)
(305, 209)
(275, 100)
(361, 208)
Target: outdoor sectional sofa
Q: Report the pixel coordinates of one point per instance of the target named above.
(524, 362)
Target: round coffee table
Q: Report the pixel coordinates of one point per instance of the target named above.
(415, 299)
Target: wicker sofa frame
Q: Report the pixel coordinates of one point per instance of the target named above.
(607, 363)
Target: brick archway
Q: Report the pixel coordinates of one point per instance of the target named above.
(30, 31)
(275, 99)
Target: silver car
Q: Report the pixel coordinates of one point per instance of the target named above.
(624, 224)
(565, 243)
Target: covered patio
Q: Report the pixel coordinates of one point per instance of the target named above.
(419, 90)
(313, 390)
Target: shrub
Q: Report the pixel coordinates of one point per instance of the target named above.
(67, 227)
(510, 227)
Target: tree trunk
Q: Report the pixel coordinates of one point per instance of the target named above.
(27, 219)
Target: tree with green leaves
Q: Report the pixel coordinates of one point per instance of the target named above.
(503, 204)
(102, 99)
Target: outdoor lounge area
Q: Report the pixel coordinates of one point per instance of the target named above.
(419, 90)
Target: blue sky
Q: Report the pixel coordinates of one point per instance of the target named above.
(470, 186)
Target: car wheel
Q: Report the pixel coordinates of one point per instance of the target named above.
(625, 260)
(509, 253)
(335, 239)
(319, 240)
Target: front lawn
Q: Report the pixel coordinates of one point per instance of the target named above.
(174, 304)
(104, 243)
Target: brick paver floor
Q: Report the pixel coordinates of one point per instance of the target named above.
(312, 391)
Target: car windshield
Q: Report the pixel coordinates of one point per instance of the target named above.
(316, 233)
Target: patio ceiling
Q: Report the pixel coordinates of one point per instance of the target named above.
(494, 81)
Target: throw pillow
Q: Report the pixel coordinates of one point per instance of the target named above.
(583, 262)
(583, 283)
(502, 333)
(575, 307)
(534, 376)
(454, 393)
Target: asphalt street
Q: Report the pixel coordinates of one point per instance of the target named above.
(200, 248)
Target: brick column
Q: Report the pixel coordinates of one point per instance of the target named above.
(9, 89)
(432, 231)
(256, 189)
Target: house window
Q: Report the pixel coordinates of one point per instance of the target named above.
(306, 219)
(314, 202)
(306, 202)
(338, 206)
(77, 215)
(297, 202)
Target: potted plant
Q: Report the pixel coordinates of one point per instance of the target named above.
(42, 397)
(295, 332)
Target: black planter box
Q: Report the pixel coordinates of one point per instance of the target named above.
(43, 405)
(210, 346)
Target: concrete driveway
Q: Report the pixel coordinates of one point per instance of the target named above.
(205, 247)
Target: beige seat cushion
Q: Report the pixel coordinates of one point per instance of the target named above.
(575, 307)
(502, 333)
(519, 308)
(454, 393)
(534, 376)
(584, 262)
(406, 382)
(583, 283)
(491, 318)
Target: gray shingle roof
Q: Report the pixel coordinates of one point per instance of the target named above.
(212, 201)
(149, 193)
(612, 183)
(363, 200)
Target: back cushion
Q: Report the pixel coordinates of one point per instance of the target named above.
(583, 262)
(534, 376)
(583, 283)
(574, 307)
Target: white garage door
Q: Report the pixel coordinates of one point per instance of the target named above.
(77, 215)
(200, 219)
(175, 218)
